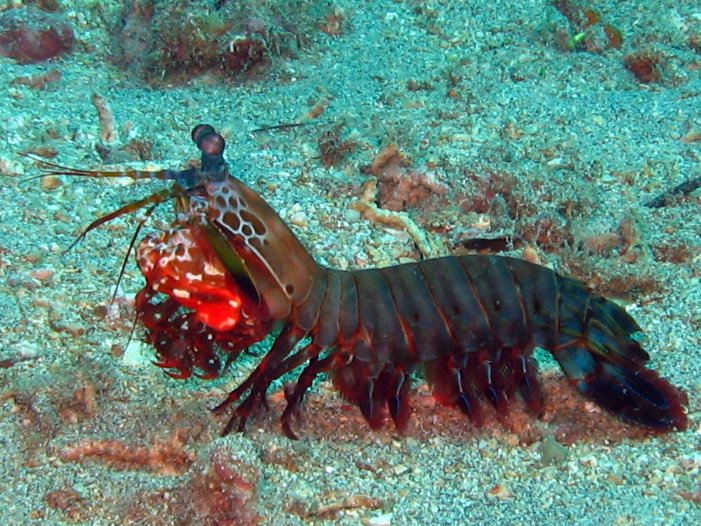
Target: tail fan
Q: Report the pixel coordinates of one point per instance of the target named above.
(597, 352)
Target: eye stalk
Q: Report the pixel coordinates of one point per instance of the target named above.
(212, 145)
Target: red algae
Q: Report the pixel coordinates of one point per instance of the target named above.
(30, 35)
(644, 66)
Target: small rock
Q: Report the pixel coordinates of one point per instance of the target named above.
(137, 354)
(351, 215)
(10, 167)
(589, 461)
(551, 451)
(691, 462)
(500, 492)
(26, 350)
(380, 520)
(299, 219)
(50, 182)
(401, 469)
(42, 274)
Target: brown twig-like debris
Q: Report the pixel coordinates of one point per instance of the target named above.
(165, 457)
(673, 194)
(332, 510)
(428, 246)
(351, 502)
(107, 123)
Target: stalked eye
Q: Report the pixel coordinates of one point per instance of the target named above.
(199, 131)
(212, 144)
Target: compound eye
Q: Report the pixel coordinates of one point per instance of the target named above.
(199, 131)
(212, 144)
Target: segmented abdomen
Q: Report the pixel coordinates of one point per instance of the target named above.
(418, 312)
(473, 322)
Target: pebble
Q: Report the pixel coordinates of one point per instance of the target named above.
(10, 167)
(42, 274)
(401, 469)
(351, 215)
(50, 182)
(551, 451)
(589, 461)
(380, 520)
(500, 492)
(137, 354)
(26, 350)
(299, 219)
(691, 462)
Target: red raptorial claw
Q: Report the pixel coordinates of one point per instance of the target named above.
(180, 265)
